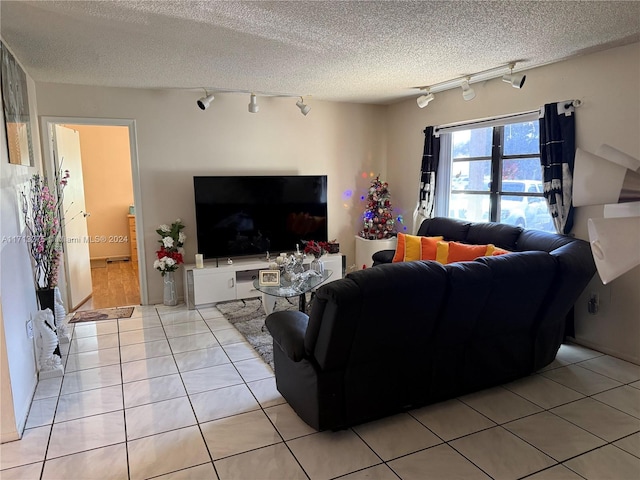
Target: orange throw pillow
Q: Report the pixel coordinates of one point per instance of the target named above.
(429, 247)
(450, 252)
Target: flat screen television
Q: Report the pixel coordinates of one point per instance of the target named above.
(251, 215)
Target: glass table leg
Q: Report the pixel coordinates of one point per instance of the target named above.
(302, 303)
(268, 302)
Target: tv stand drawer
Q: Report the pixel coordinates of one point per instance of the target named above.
(245, 289)
(211, 286)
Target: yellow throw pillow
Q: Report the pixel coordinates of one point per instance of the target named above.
(408, 248)
(442, 252)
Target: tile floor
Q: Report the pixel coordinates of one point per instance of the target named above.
(177, 394)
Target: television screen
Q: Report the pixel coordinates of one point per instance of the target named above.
(252, 215)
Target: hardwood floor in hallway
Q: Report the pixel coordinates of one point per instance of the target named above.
(114, 284)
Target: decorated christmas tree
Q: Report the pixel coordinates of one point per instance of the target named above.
(378, 222)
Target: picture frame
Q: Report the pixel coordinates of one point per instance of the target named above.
(15, 101)
(269, 278)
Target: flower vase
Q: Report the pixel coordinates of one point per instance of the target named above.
(317, 265)
(170, 298)
(47, 300)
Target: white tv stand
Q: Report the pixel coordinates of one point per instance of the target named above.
(213, 284)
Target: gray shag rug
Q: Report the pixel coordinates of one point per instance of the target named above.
(248, 316)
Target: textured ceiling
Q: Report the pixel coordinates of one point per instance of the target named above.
(375, 52)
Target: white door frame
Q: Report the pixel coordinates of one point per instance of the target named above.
(77, 257)
(47, 126)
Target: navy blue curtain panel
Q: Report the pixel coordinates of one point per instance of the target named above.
(557, 154)
(428, 169)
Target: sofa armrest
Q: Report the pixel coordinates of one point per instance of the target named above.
(288, 329)
(383, 256)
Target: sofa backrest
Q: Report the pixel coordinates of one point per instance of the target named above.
(469, 286)
(519, 285)
(486, 330)
(478, 233)
(504, 341)
(449, 228)
(500, 234)
(373, 312)
(542, 241)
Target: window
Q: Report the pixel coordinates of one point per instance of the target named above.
(496, 176)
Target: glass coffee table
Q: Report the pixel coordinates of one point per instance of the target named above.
(290, 289)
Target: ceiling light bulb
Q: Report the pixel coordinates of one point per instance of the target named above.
(304, 109)
(424, 100)
(467, 92)
(205, 101)
(516, 81)
(253, 104)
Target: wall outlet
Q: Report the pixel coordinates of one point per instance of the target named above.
(30, 328)
(593, 305)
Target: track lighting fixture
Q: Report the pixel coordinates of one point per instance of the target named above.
(253, 107)
(468, 93)
(205, 101)
(304, 109)
(517, 80)
(423, 100)
(253, 104)
(503, 71)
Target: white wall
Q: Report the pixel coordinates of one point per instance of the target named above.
(608, 84)
(17, 288)
(177, 140)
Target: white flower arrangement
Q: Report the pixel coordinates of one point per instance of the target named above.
(171, 252)
(167, 242)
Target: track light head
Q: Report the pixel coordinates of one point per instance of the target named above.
(423, 100)
(468, 93)
(205, 101)
(516, 81)
(253, 104)
(304, 109)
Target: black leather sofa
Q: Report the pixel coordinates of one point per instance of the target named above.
(400, 335)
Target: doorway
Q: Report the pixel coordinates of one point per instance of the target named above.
(114, 260)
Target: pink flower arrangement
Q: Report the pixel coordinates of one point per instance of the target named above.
(41, 210)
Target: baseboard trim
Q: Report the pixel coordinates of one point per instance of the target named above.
(15, 433)
(605, 350)
(119, 258)
(72, 310)
(11, 436)
(113, 258)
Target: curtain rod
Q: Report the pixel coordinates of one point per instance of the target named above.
(485, 120)
(500, 119)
